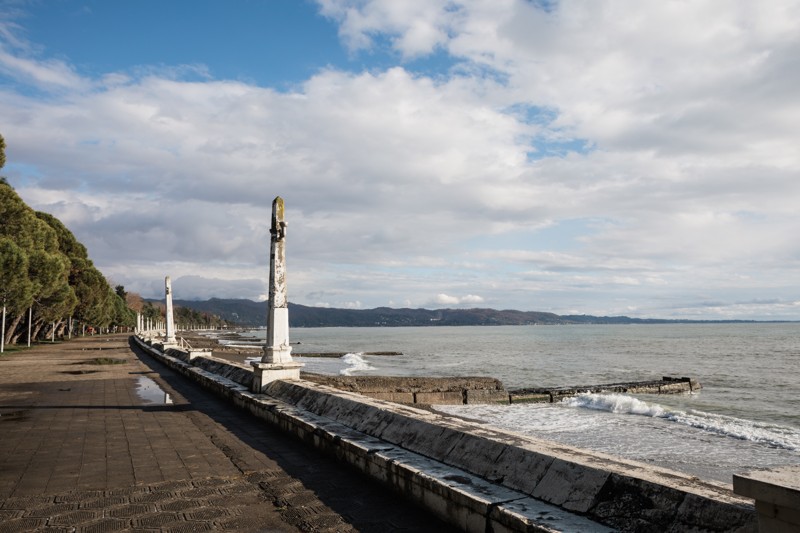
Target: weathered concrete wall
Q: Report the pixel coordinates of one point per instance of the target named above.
(480, 478)
(421, 390)
(238, 373)
(777, 495)
(459, 497)
(364, 384)
(241, 374)
(606, 488)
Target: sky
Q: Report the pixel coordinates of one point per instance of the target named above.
(579, 157)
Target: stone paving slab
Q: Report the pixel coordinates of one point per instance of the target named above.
(131, 446)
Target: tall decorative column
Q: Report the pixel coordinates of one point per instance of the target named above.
(169, 337)
(277, 349)
(276, 363)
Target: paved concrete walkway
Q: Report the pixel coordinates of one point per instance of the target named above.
(96, 436)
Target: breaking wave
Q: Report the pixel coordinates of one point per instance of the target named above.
(355, 363)
(772, 435)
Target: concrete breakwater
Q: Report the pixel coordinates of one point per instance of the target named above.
(419, 390)
(665, 385)
(484, 390)
(477, 478)
(452, 390)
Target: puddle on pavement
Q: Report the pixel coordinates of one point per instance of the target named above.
(149, 392)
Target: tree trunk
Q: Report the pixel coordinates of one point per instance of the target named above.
(60, 328)
(37, 326)
(10, 337)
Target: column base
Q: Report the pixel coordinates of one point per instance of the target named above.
(277, 355)
(266, 373)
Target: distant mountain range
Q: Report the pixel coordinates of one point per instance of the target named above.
(250, 313)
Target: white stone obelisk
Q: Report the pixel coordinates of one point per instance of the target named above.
(169, 338)
(276, 363)
(277, 349)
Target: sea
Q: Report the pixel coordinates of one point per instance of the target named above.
(746, 417)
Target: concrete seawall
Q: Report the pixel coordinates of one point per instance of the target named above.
(477, 478)
(419, 390)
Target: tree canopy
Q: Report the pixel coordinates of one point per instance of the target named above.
(44, 268)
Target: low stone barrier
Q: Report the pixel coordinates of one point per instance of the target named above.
(612, 490)
(420, 390)
(666, 385)
(482, 479)
(241, 374)
(484, 390)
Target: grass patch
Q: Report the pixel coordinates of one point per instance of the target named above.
(12, 348)
(106, 361)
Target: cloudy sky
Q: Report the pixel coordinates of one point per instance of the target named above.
(576, 156)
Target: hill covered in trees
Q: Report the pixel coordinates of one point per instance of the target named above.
(250, 313)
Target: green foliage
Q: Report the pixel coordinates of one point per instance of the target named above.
(93, 295)
(43, 266)
(67, 243)
(122, 315)
(120, 290)
(151, 311)
(16, 289)
(2, 152)
(188, 317)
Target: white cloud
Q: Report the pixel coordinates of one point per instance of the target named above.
(201, 288)
(397, 183)
(415, 26)
(444, 299)
(49, 74)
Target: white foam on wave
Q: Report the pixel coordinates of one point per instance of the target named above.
(249, 345)
(615, 403)
(239, 342)
(355, 363)
(773, 435)
(532, 419)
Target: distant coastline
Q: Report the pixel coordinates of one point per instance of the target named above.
(248, 313)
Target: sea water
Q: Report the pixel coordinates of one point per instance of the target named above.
(746, 416)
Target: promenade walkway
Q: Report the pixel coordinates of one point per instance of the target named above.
(96, 436)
